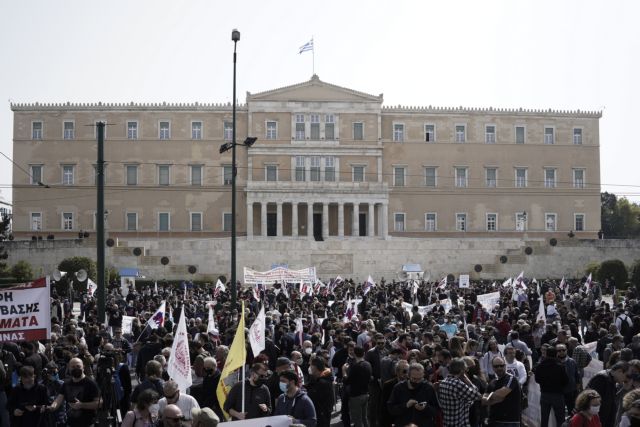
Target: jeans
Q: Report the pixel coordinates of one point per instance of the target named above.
(358, 410)
(548, 401)
(375, 404)
(4, 413)
(570, 401)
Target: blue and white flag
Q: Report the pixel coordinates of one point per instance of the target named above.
(307, 46)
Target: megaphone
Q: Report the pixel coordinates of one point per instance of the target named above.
(57, 275)
(81, 275)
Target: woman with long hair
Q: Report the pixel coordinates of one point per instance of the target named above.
(141, 415)
(485, 362)
(587, 408)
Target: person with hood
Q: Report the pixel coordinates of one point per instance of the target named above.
(320, 391)
(294, 402)
(27, 399)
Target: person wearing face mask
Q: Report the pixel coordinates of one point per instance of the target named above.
(257, 399)
(27, 400)
(320, 390)
(52, 382)
(606, 384)
(374, 357)
(297, 362)
(588, 406)
(81, 395)
(413, 401)
(307, 351)
(294, 401)
(401, 374)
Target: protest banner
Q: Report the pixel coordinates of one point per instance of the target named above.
(422, 309)
(280, 275)
(463, 281)
(489, 301)
(127, 322)
(25, 311)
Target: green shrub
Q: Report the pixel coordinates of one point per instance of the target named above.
(74, 264)
(592, 268)
(613, 268)
(22, 271)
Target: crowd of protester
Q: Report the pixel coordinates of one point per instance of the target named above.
(360, 349)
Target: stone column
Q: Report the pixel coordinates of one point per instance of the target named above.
(294, 219)
(355, 230)
(385, 220)
(249, 220)
(325, 220)
(310, 220)
(279, 219)
(340, 219)
(263, 219)
(370, 218)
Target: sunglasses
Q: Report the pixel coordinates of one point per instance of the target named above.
(182, 418)
(498, 366)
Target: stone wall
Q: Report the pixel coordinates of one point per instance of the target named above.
(355, 258)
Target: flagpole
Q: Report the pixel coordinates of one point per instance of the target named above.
(313, 56)
(243, 363)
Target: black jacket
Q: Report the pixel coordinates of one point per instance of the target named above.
(605, 385)
(551, 375)
(320, 391)
(205, 393)
(253, 397)
(402, 415)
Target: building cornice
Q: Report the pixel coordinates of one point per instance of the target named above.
(402, 109)
(131, 106)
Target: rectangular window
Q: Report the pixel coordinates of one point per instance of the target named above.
(490, 134)
(165, 130)
(430, 133)
(196, 221)
(521, 221)
(69, 130)
(163, 174)
(271, 173)
(132, 221)
(461, 134)
(196, 175)
(461, 177)
(164, 221)
(36, 130)
(67, 174)
(315, 127)
(430, 221)
(398, 223)
(398, 176)
(550, 178)
(36, 174)
(196, 130)
(36, 221)
(300, 176)
(329, 127)
(430, 177)
(550, 222)
(132, 174)
(491, 177)
(521, 177)
(132, 130)
(300, 128)
(358, 131)
(228, 131)
(329, 169)
(577, 136)
(461, 222)
(358, 173)
(67, 221)
(227, 174)
(492, 222)
(398, 132)
(314, 173)
(226, 221)
(549, 135)
(272, 130)
(578, 222)
(578, 178)
(520, 134)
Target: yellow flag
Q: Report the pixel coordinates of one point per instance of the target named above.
(235, 360)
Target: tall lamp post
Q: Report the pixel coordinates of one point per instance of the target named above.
(235, 37)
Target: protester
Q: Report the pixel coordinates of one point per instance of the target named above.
(257, 399)
(294, 402)
(588, 406)
(141, 415)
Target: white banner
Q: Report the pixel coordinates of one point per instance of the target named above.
(277, 421)
(280, 275)
(25, 311)
(127, 322)
(463, 281)
(422, 309)
(489, 301)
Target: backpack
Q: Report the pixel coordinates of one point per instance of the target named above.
(625, 329)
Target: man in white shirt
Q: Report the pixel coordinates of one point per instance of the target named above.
(173, 396)
(514, 367)
(519, 345)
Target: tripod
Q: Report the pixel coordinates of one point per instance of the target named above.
(109, 412)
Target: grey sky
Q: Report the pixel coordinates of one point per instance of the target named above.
(531, 54)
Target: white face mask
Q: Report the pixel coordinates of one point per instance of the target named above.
(593, 410)
(307, 350)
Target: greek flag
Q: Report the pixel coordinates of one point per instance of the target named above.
(307, 46)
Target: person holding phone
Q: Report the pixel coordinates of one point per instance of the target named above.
(413, 401)
(82, 396)
(27, 400)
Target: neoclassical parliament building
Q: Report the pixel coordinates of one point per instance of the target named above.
(329, 163)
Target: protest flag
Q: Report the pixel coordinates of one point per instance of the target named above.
(256, 333)
(235, 360)
(179, 364)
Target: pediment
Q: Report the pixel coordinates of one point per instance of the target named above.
(314, 90)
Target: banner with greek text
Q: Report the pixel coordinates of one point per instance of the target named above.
(280, 275)
(489, 301)
(25, 311)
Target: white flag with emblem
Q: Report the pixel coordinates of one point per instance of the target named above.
(256, 333)
(179, 364)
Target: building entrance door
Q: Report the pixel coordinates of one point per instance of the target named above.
(317, 227)
(363, 224)
(272, 224)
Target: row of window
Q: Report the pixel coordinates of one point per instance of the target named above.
(490, 134)
(318, 169)
(131, 221)
(312, 130)
(491, 222)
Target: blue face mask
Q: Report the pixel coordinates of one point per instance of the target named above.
(283, 387)
(56, 377)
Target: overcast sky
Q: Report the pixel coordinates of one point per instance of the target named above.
(531, 54)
